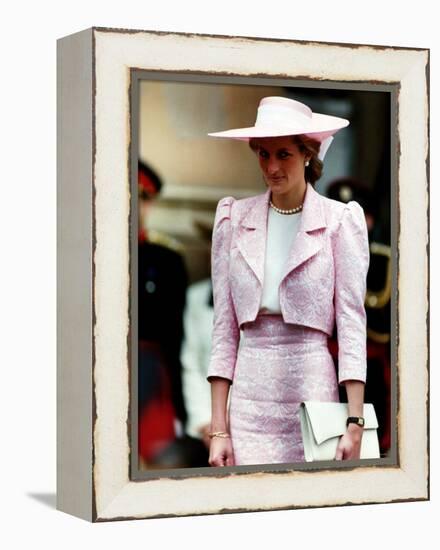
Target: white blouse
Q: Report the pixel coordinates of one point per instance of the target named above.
(281, 232)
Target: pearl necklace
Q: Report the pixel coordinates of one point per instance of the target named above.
(291, 211)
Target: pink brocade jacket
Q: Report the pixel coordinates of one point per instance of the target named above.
(324, 279)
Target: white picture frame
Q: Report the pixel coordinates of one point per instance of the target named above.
(95, 161)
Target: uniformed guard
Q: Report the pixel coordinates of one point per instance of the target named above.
(377, 305)
(162, 282)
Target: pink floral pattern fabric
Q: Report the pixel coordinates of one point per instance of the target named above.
(279, 365)
(324, 282)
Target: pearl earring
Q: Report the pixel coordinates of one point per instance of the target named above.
(307, 162)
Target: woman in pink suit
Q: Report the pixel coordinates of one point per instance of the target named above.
(286, 265)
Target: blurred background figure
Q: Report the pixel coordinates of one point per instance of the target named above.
(196, 352)
(161, 299)
(162, 284)
(377, 305)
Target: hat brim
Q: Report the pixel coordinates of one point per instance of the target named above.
(320, 127)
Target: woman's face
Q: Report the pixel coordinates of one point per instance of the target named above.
(282, 164)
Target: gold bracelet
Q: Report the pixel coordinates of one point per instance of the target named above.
(218, 434)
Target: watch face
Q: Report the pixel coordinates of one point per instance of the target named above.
(358, 420)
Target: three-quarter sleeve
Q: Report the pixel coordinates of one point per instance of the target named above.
(352, 258)
(226, 332)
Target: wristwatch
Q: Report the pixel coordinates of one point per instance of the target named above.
(359, 420)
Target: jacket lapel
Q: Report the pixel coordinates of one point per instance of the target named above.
(251, 240)
(252, 235)
(308, 240)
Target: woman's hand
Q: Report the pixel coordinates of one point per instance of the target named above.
(349, 446)
(220, 448)
(220, 452)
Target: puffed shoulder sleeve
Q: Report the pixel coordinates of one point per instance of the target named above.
(352, 258)
(226, 332)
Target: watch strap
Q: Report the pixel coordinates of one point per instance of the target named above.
(358, 420)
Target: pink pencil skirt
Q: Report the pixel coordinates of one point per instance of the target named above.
(279, 365)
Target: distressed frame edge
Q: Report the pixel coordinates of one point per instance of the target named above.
(428, 266)
(223, 511)
(74, 274)
(353, 45)
(421, 491)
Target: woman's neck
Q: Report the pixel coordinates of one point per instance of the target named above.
(291, 199)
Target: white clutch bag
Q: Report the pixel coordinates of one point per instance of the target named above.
(323, 423)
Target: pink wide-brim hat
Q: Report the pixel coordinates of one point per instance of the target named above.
(281, 116)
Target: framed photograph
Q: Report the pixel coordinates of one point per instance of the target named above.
(139, 188)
